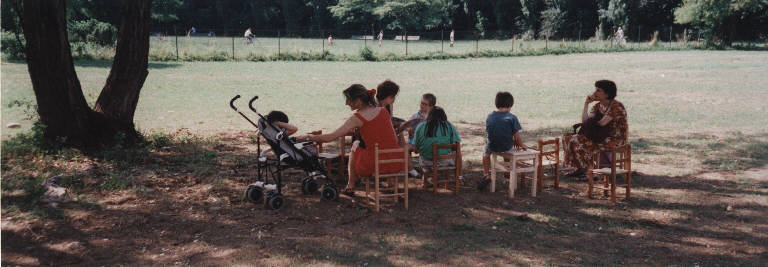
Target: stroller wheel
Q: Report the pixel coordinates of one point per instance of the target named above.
(308, 186)
(330, 193)
(254, 194)
(276, 201)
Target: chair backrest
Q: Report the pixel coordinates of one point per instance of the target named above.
(455, 152)
(379, 152)
(319, 145)
(345, 145)
(550, 149)
(622, 156)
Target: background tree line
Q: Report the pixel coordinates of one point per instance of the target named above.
(718, 20)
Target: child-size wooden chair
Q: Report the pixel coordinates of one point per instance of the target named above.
(620, 164)
(387, 186)
(450, 173)
(549, 157)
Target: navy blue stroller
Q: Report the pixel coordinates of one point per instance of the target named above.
(287, 153)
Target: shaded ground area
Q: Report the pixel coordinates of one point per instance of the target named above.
(179, 202)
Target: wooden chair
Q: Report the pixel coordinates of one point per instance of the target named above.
(446, 170)
(336, 161)
(549, 158)
(620, 164)
(326, 157)
(390, 189)
(521, 161)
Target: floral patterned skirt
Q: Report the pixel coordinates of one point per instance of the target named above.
(579, 150)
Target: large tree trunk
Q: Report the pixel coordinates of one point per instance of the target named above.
(120, 94)
(60, 102)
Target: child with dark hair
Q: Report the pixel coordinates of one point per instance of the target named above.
(280, 119)
(435, 130)
(386, 92)
(503, 129)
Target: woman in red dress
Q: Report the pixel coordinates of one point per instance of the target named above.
(375, 127)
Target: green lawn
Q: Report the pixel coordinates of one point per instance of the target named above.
(669, 95)
(664, 92)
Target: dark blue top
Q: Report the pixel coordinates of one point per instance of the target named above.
(501, 128)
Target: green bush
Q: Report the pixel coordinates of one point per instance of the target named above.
(32, 142)
(367, 54)
(11, 46)
(92, 31)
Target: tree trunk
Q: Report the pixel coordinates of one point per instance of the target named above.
(120, 94)
(60, 102)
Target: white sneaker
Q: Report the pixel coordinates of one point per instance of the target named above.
(414, 173)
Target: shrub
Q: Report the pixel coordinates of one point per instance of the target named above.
(12, 47)
(367, 54)
(32, 142)
(92, 31)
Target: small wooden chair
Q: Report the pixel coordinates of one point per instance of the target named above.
(393, 180)
(521, 161)
(446, 170)
(549, 158)
(325, 156)
(620, 163)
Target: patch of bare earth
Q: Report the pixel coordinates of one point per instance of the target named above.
(177, 216)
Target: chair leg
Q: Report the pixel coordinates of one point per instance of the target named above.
(376, 194)
(628, 179)
(613, 188)
(589, 183)
(493, 172)
(605, 185)
(539, 178)
(557, 175)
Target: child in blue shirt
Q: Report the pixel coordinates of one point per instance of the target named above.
(503, 129)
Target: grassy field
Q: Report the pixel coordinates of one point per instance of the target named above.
(697, 122)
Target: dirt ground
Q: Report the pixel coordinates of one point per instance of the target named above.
(174, 214)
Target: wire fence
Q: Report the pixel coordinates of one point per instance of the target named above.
(229, 44)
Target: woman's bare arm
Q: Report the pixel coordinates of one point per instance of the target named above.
(351, 123)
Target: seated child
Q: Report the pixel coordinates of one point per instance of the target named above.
(279, 119)
(435, 130)
(427, 102)
(503, 131)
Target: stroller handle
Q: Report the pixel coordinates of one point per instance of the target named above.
(250, 103)
(232, 102)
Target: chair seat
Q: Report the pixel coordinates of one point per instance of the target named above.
(608, 171)
(328, 155)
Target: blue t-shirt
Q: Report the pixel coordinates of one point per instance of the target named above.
(501, 128)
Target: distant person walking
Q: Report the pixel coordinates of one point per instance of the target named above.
(451, 37)
(619, 35)
(248, 35)
(330, 40)
(380, 36)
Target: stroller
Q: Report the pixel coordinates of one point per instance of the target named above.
(287, 154)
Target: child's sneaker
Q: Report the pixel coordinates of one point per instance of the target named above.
(414, 174)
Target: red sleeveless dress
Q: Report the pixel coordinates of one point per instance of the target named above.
(378, 130)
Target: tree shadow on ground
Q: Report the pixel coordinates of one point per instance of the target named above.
(185, 206)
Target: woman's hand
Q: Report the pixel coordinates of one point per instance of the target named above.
(590, 99)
